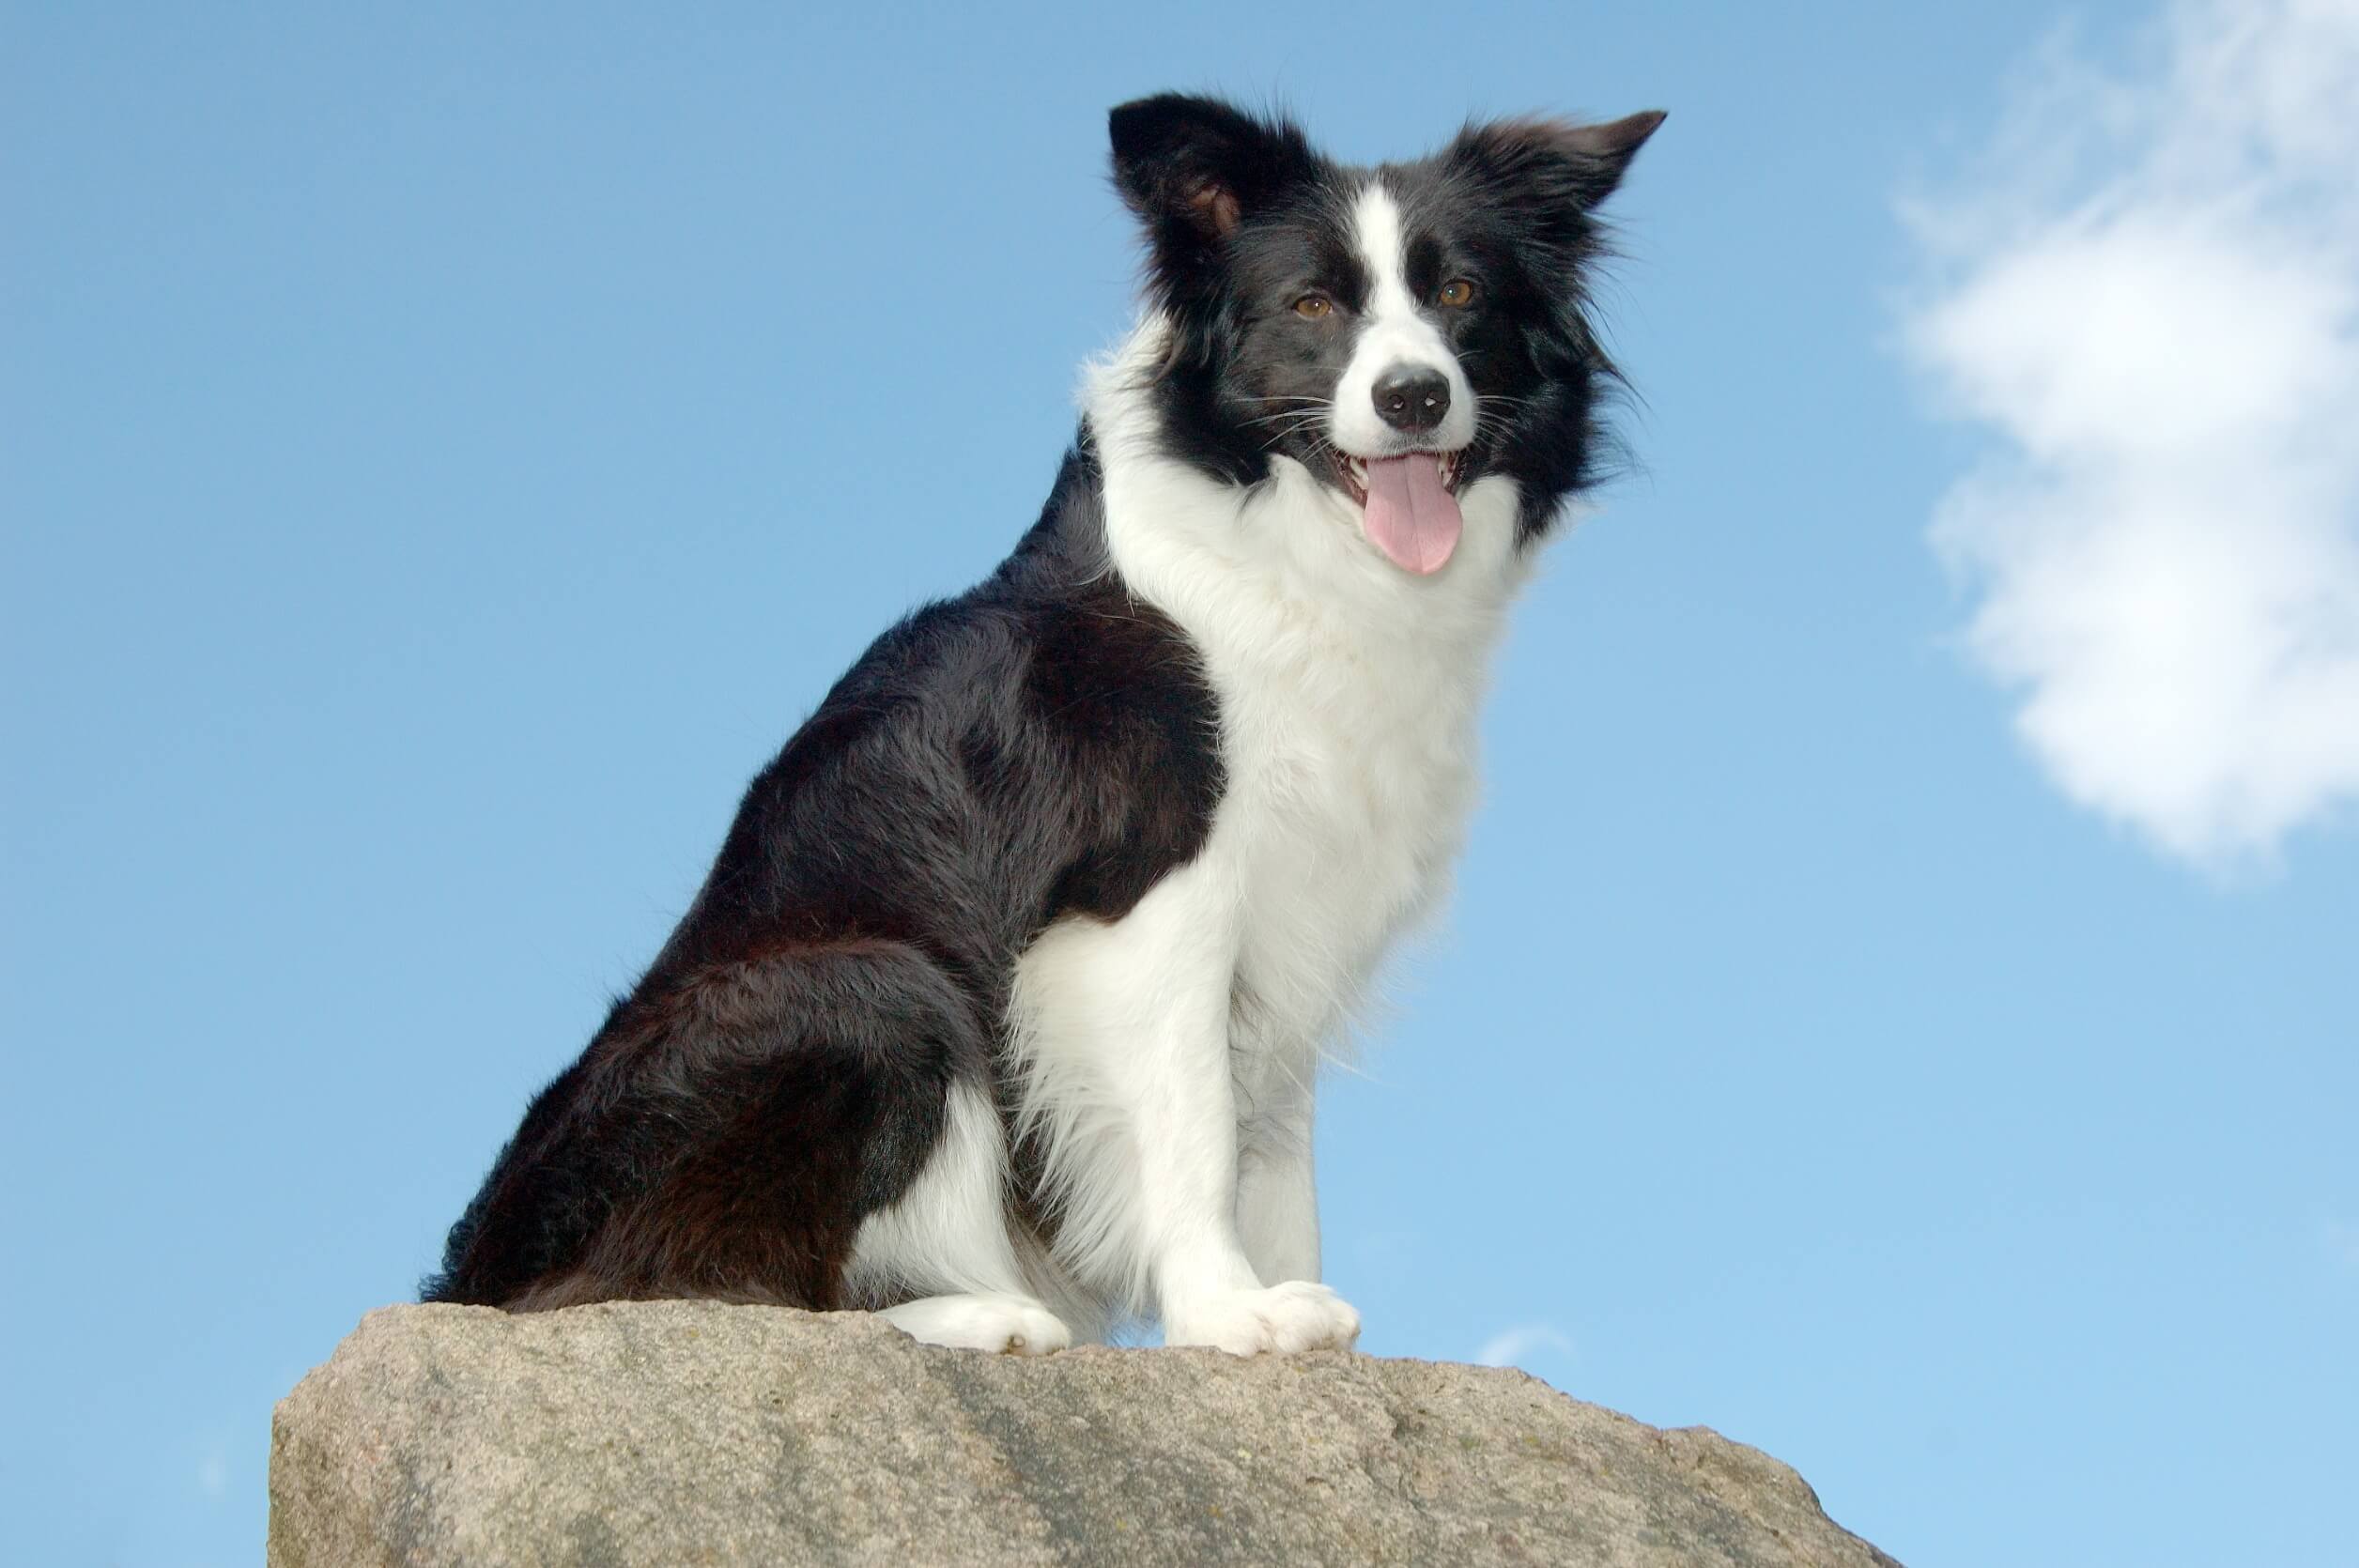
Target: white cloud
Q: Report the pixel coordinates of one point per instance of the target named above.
(212, 1471)
(1514, 1346)
(2149, 291)
(2342, 1242)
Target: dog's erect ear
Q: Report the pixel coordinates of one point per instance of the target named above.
(1559, 162)
(1193, 168)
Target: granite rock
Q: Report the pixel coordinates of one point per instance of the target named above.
(684, 1432)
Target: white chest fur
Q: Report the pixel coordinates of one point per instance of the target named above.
(1164, 1061)
(1347, 692)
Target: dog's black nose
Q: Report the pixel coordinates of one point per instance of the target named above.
(1413, 397)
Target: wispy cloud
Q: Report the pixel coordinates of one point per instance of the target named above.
(1514, 1346)
(212, 1471)
(2342, 1243)
(2149, 290)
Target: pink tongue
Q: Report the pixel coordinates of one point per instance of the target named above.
(1409, 517)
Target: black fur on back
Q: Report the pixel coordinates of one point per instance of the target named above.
(1038, 747)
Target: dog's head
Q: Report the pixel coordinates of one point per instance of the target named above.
(1400, 331)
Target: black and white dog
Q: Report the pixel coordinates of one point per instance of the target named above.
(1000, 1011)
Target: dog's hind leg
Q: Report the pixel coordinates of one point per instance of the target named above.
(736, 1129)
(948, 1242)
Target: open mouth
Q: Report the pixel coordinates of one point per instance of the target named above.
(1409, 505)
(1355, 471)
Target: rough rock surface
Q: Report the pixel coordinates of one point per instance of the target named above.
(680, 1433)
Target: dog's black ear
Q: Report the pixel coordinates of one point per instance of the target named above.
(1555, 162)
(1195, 168)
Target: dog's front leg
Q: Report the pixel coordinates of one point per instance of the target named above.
(1278, 1195)
(1124, 1040)
(1184, 1108)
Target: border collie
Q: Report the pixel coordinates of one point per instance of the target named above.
(1000, 1011)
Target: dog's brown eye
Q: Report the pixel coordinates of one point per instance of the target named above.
(1458, 293)
(1310, 307)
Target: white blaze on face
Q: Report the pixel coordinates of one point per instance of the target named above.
(1394, 334)
(1407, 511)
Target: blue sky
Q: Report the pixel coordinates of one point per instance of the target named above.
(1899, 1008)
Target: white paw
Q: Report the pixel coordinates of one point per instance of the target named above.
(1296, 1316)
(1016, 1325)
